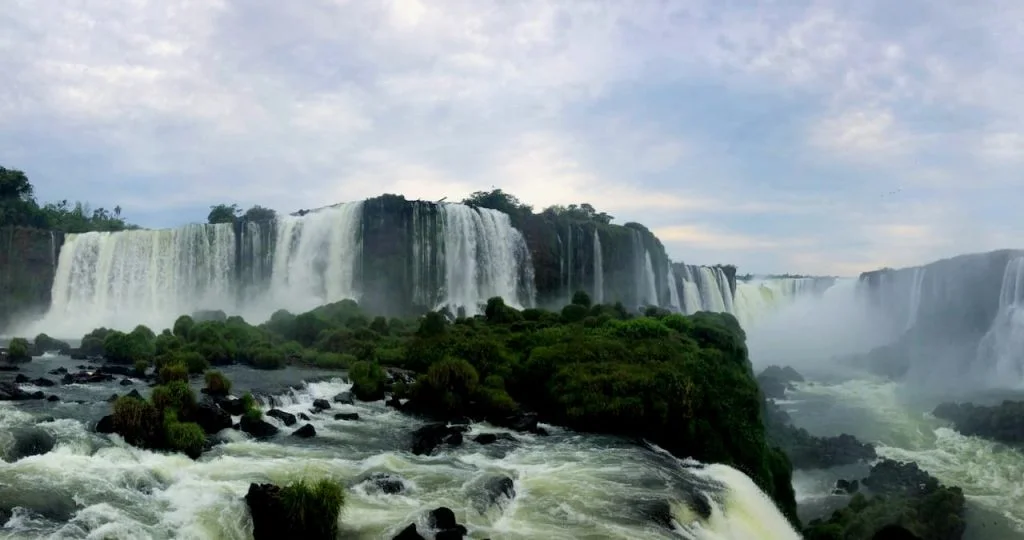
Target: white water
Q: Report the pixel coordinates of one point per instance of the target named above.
(598, 270)
(758, 299)
(484, 258)
(915, 297)
(650, 289)
(673, 291)
(1001, 351)
(568, 486)
(315, 260)
(123, 279)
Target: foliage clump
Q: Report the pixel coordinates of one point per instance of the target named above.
(18, 350)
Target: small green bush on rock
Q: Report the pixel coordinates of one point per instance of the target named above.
(367, 381)
(312, 509)
(217, 384)
(18, 350)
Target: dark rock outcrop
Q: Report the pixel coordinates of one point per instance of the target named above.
(321, 405)
(29, 442)
(11, 392)
(386, 483)
(345, 398)
(491, 438)
(305, 432)
(105, 425)
(427, 438)
(258, 428)
(409, 533)
(775, 381)
(211, 417)
(805, 451)
(286, 417)
(346, 416)
(1003, 423)
(443, 521)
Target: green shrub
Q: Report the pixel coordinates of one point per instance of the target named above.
(18, 350)
(140, 367)
(217, 384)
(312, 510)
(136, 421)
(367, 381)
(176, 396)
(183, 326)
(185, 437)
(252, 408)
(194, 362)
(173, 371)
(266, 358)
(327, 360)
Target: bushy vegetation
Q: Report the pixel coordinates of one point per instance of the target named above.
(18, 350)
(18, 207)
(683, 382)
(936, 515)
(44, 343)
(312, 509)
(217, 384)
(229, 213)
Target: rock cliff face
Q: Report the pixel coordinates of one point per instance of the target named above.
(28, 261)
(401, 258)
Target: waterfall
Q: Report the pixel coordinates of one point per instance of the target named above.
(484, 257)
(122, 279)
(915, 297)
(756, 299)
(673, 291)
(598, 270)
(315, 258)
(650, 290)
(1000, 355)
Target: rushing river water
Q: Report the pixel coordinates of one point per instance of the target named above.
(568, 486)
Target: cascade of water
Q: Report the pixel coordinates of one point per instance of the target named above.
(140, 277)
(484, 257)
(673, 291)
(915, 297)
(315, 258)
(711, 292)
(650, 290)
(1000, 356)
(756, 299)
(598, 270)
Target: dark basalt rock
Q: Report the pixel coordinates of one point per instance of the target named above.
(775, 381)
(385, 483)
(53, 397)
(21, 379)
(305, 432)
(134, 394)
(9, 367)
(111, 369)
(259, 429)
(231, 404)
(265, 506)
(346, 416)
(126, 382)
(427, 438)
(806, 451)
(59, 371)
(304, 416)
(491, 438)
(286, 417)
(211, 417)
(526, 422)
(11, 392)
(499, 488)
(443, 521)
(409, 533)
(1003, 423)
(890, 477)
(846, 487)
(345, 398)
(321, 405)
(30, 442)
(105, 425)
(394, 403)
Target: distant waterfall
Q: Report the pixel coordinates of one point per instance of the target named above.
(1000, 354)
(673, 291)
(705, 288)
(127, 278)
(915, 297)
(598, 270)
(757, 298)
(315, 258)
(650, 292)
(484, 256)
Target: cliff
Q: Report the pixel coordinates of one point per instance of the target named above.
(28, 262)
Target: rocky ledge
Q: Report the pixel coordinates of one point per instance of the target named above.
(806, 451)
(1003, 422)
(901, 501)
(775, 381)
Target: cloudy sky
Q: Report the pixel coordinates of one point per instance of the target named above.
(807, 136)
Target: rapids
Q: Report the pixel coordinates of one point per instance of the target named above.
(568, 486)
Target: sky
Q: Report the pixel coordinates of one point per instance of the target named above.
(819, 137)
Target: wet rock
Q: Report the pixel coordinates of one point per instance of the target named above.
(427, 438)
(52, 504)
(30, 442)
(409, 533)
(112, 398)
(394, 403)
(272, 519)
(443, 521)
(53, 397)
(59, 371)
(1003, 422)
(231, 404)
(126, 382)
(806, 451)
(888, 477)
(259, 429)
(499, 489)
(658, 512)
(286, 417)
(106, 424)
(846, 487)
(211, 417)
(775, 381)
(67, 379)
(526, 422)
(345, 398)
(347, 416)
(111, 369)
(321, 404)
(305, 432)
(265, 506)
(491, 438)
(304, 416)
(386, 483)
(134, 394)
(11, 392)
(9, 367)
(21, 379)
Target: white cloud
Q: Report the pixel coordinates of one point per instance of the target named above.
(861, 134)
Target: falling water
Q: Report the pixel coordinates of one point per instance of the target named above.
(650, 290)
(915, 297)
(598, 270)
(121, 279)
(673, 291)
(315, 258)
(1001, 351)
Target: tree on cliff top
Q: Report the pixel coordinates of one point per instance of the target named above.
(18, 207)
(223, 213)
(499, 200)
(579, 212)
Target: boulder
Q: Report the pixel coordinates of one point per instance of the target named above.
(491, 438)
(386, 483)
(44, 382)
(21, 379)
(211, 417)
(1003, 423)
(427, 438)
(526, 422)
(11, 392)
(498, 490)
(846, 487)
(126, 382)
(304, 416)
(265, 506)
(346, 416)
(286, 417)
(53, 397)
(273, 519)
(321, 404)
(30, 442)
(258, 428)
(105, 425)
(409, 533)
(443, 521)
(231, 404)
(305, 432)
(344, 398)
(775, 381)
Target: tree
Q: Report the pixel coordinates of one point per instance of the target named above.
(259, 213)
(499, 200)
(579, 212)
(14, 185)
(223, 213)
